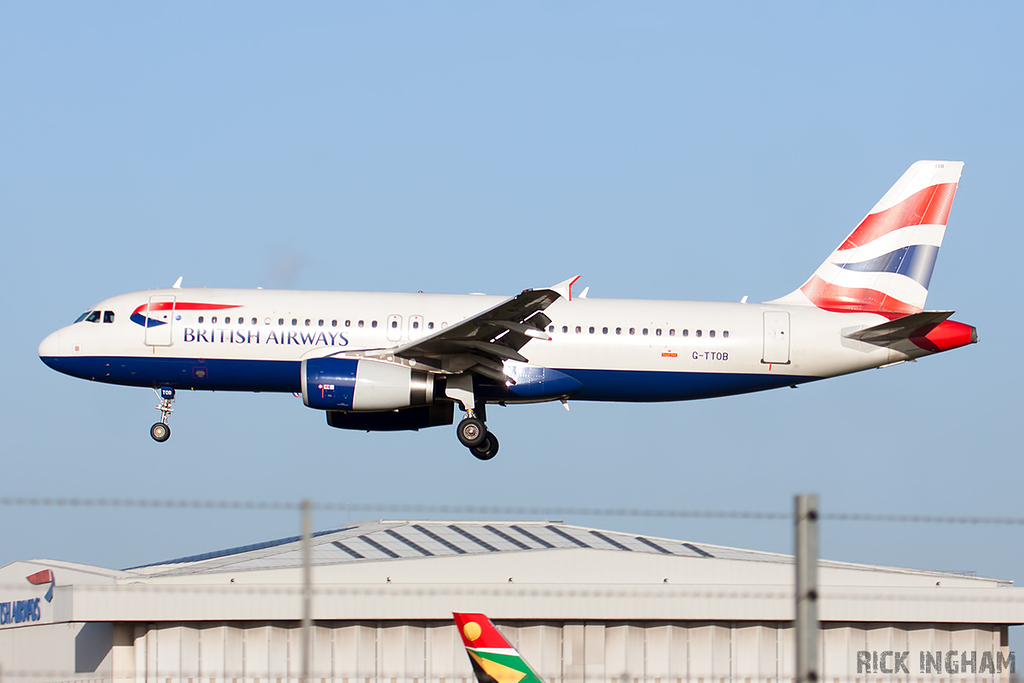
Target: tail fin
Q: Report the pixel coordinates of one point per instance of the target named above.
(885, 265)
(493, 659)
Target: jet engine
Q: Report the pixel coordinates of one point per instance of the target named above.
(358, 384)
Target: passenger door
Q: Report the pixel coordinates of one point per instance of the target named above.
(159, 320)
(776, 338)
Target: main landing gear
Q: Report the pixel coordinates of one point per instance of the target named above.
(473, 434)
(161, 431)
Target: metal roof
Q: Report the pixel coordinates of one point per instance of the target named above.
(396, 540)
(405, 539)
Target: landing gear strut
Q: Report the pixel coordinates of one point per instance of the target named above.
(472, 431)
(161, 431)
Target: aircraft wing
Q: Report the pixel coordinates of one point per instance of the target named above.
(482, 342)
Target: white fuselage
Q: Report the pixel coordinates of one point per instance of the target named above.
(629, 350)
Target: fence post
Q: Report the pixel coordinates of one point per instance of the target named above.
(806, 518)
(307, 589)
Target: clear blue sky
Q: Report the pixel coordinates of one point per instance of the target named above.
(661, 150)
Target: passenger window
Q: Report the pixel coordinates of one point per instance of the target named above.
(604, 330)
(295, 321)
(108, 316)
(280, 321)
(307, 322)
(725, 334)
(373, 324)
(394, 324)
(254, 321)
(672, 332)
(686, 333)
(578, 329)
(618, 330)
(415, 325)
(645, 331)
(320, 323)
(565, 328)
(266, 321)
(200, 320)
(698, 333)
(591, 330)
(711, 334)
(657, 332)
(430, 326)
(334, 323)
(213, 320)
(348, 323)
(227, 320)
(632, 330)
(360, 323)
(551, 328)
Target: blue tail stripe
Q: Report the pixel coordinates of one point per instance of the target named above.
(915, 261)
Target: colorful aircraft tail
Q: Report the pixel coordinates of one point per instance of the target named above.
(885, 265)
(493, 659)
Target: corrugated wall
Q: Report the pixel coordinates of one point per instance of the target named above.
(388, 652)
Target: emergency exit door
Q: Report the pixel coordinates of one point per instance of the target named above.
(776, 338)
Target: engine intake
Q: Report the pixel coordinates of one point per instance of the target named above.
(359, 384)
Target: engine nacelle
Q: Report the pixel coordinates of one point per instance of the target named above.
(363, 385)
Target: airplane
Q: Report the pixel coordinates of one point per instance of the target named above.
(392, 361)
(494, 660)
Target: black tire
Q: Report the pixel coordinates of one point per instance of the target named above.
(471, 432)
(486, 450)
(160, 432)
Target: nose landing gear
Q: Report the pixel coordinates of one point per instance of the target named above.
(161, 431)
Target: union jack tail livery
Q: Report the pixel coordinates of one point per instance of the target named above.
(493, 659)
(886, 263)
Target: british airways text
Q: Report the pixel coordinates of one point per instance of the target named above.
(244, 336)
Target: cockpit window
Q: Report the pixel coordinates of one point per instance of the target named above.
(108, 316)
(82, 317)
(92, 317)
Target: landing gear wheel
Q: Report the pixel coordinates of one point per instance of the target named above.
(160, 432)
(471, 432)
(487, 449)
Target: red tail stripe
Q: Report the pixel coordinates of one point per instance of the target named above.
(930, 206)
(489, 636)
(838, 299)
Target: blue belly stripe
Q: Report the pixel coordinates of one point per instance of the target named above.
(283, 376)
(218, 374)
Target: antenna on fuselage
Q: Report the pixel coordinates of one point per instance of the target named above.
(177, 283)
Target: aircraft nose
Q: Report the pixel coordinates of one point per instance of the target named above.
(50, 347)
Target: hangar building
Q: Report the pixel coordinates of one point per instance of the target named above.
(581, 605)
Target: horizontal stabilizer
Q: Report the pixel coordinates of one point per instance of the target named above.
(916, 325)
